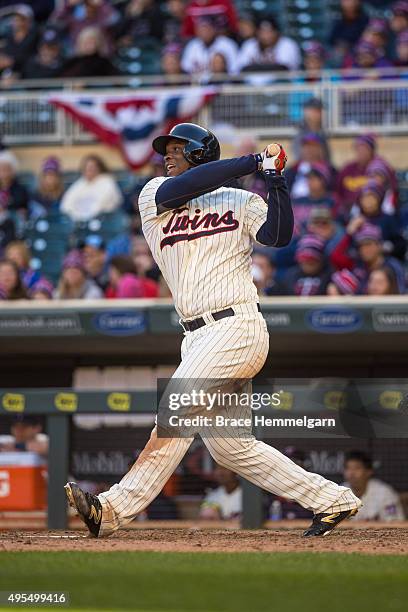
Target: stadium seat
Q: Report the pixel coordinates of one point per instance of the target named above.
(49, 240)
(106, 226)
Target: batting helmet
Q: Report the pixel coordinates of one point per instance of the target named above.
(200, 145)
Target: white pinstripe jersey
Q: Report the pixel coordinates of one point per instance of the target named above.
(203, 249)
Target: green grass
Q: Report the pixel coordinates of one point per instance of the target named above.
(213, 582)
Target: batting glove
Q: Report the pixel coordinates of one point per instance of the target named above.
(272, 160)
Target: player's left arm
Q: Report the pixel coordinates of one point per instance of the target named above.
(277, 221)
(203, 179)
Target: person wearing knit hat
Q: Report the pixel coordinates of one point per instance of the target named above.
(399, 16)
(353, 175)
(370, 199)
(96, 260)
(382, 173)
(322, 224)
(377, 33)
(370, 203)
(50, 185)
(74, 282)
(309, 114)
(311, 274)
(319, 183)
(401, 49)
(343, 282)
(312, 150)
(368, 233)
(42, 290)
(368, 55)
(369, 241)
(362, 249)
(314, 58)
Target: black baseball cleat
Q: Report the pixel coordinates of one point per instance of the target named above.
(87, 505)
(323, 523)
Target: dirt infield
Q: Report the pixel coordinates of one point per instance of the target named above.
(348, 539)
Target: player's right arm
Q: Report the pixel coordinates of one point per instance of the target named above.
(203, 179)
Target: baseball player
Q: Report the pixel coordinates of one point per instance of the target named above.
(201, 231)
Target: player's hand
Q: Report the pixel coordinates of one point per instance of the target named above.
(274, 159)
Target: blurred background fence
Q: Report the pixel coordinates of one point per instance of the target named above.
(263, 110)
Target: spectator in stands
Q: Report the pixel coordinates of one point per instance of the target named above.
(20, 44)
(321, 224)
(171, 63)
(311, 152)
(319, 195)
(367, 238)
(174, 15)
(96, 260)
(312, 123)
(11, 189)
(42, 290)
(246, 27)
(7, 226)
(94, 193)
(146, 267)
(50, 186)
(401, 51)
(347, 30)
(142, 19)
(27, 435)
(399, 17)
(376, 33)
(369, 207)
(380, 501)
(10, 281)
(74, 283)
(312, 273)
(218, 69)
(353, 175)
(20, 254)
(264, 275)
(381, 173)
(199, 51)
(222, 12)
(124, 282)
(90, 59)
(343, 282)
(76, 15)
(47, 63)
(314, 59)
(269, 49)
(382, 282)
(367, 56)
(224, 502)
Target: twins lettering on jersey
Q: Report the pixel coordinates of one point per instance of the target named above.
(208, 224)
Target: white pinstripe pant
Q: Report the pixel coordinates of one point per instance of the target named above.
(234, 347)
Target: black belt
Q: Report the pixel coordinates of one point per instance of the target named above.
(217, 316)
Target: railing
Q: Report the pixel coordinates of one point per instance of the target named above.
(273, 108)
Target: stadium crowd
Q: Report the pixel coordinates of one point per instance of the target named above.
(349, 222)
(209, 39)
(348, 239)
